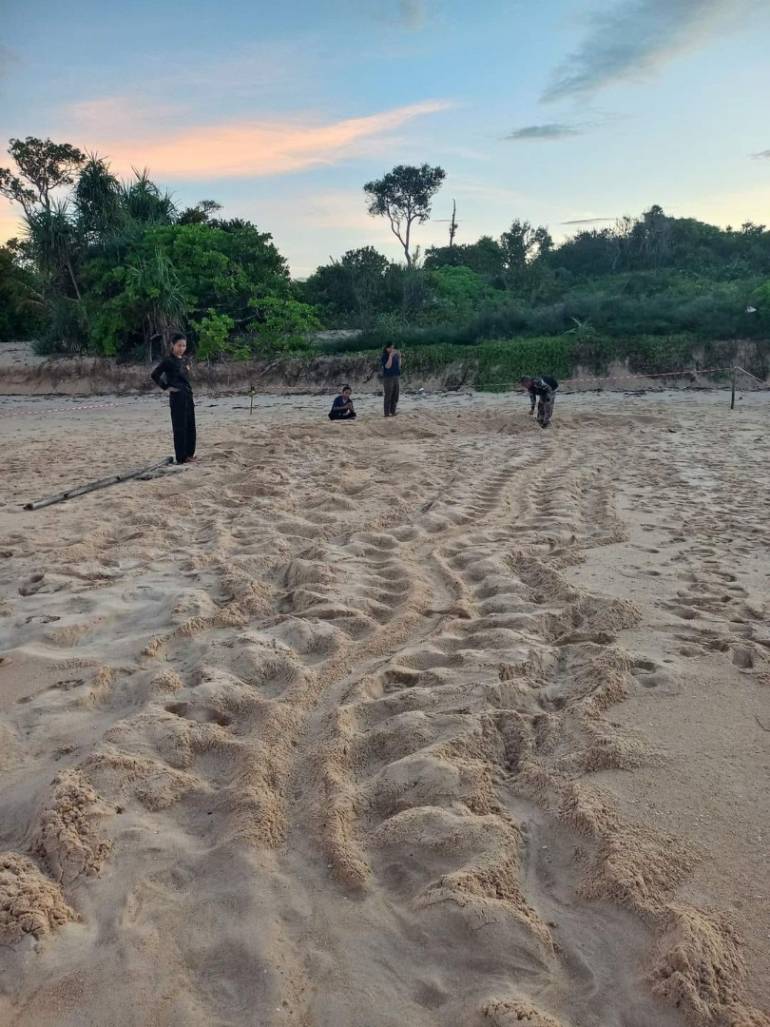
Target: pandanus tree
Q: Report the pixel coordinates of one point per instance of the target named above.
(98, 201)
(144, 203)
(154, 290)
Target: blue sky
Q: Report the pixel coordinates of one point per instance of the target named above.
(549, 112)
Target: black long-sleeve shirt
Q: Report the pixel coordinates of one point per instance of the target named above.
(171, 373)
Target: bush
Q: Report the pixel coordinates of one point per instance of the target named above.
(282, 325)
(213, 337)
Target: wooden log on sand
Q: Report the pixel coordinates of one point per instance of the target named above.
(92, 486)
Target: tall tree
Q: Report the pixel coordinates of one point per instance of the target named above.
(522, 244)
(42, 166)
(404, 196)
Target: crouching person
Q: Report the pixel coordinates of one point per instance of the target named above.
(342, 407)
(542, 391)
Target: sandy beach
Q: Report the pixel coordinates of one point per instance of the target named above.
(440, 721)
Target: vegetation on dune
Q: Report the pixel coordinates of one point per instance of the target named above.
(111, 268)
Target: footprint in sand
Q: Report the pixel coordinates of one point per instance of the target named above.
(743, 658)
(29, 586)
(200, 714)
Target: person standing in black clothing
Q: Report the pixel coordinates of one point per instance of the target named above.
(171, 375)
(543, 391)
(391, 378)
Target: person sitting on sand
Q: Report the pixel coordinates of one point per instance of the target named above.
(391, 376)
(171, 375)
(543, 391)
(342, 407)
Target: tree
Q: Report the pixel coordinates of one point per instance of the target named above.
(20, 310)
(42, 166)
(213, 334)
(54, 244)
(153, 287)
(651, 238)
(98, 200)
(404, 196)
(145, 204)
(283, 324)
(200, 214)
(459, 292)
(521, 245)
(356, 287)
(485, 257)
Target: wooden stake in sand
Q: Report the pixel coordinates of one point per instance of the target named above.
(92, 486)
(732, 395)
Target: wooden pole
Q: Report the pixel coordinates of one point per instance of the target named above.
(453, 225)
(92, 486)
(732, 396)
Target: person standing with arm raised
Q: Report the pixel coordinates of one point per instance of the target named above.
(391, 377)
(171, 375)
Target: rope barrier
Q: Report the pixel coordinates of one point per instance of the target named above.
(29, 411)
(654, 374)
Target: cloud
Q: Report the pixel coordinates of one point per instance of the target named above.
(763, 154)
(637, 37)
(241, 148)
(553, 130)
(588, 221)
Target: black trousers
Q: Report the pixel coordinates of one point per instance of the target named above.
(183, 423)
(341, 415)
(391, 387)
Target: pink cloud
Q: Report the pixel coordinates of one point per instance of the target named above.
(243, 148)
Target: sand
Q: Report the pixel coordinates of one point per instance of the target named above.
(443, 720)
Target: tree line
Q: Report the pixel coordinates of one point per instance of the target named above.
(112, 267)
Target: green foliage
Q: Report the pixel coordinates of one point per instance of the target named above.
(497, 365)
(168, 273)
(282, 325)
(521, 246)
(213, 337)
(403, 196)
(200, 214)
(97, 199)
(113, 268)
(334, 288)
(760, 301)
(457, 292)
(485, 257)
(20, 306)
(145, 204)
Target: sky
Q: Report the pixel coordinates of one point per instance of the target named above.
(556, 112)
